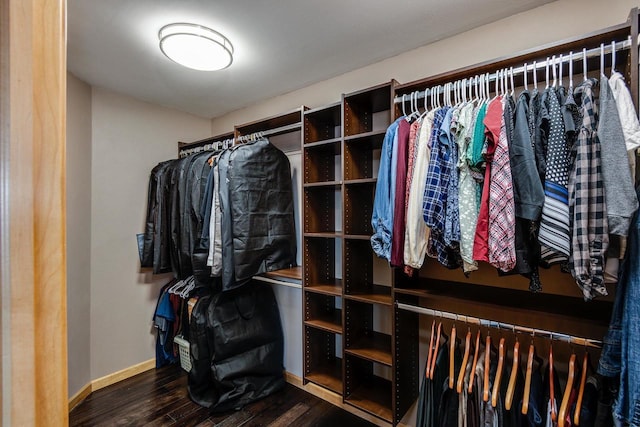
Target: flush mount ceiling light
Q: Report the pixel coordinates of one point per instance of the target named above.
(195, 46)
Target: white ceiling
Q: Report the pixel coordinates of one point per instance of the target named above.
(280, 45)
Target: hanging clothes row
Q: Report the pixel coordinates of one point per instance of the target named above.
(518, 182)
(226, 214)
(486, 384)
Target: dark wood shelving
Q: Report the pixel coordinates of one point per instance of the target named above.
(367, 391)
(374, 346)
(333, 287)
(322, 184)
(358, 236)
(326, 235)
(377, 295)
(320, 203)
(360, 181)
(371, 135)
(323, 143)
(328, 375)
(293, 274)
(331, 325)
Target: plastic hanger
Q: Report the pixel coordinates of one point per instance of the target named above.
(475, 362)
(527, 379)
(514, 374)
(560, 70)
(571, 69)
(430, 353)
(552, 392)
(435, 351)
(404, 113)
(554, 73)
(526, 72)
(487, 368)
(583, 381)
(535, 75)
(602, 59)
(584, 63)
(496, 382)
(513, 86)
(452, 351)
(567, 391)
(465, 360)
(613, 57)
(547, 73)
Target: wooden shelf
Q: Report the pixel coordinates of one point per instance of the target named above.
(360, 181)
(373, 396)
(328, 376)
(293, 274)
(322, 143)
(328, 235)
(365, 135)
(358, 236)
(322, 184)
(326, 288)
(372, 298)
(376, 348)
(333, 325)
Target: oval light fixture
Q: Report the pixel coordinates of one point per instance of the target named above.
(194, 46)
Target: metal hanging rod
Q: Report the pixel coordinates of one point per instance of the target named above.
(226, 143)
(587, 342)
(581, 55)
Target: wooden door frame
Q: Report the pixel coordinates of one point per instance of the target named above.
(32, 212)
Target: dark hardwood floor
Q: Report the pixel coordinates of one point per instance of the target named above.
(159, 398)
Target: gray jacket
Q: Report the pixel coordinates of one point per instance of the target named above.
(619, 192)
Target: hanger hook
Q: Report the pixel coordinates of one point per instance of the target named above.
(613, 56)
(584, 63)
(602, 59)
(547, 72)
(404, 113)
(535, 75)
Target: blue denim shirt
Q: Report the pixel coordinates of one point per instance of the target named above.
(621, 349)
(382, 217)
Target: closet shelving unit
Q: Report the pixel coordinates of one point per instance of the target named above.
(347, 341)
(484, 294)
(322, 247)
(367, 299)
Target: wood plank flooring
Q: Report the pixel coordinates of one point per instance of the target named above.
(159, 398)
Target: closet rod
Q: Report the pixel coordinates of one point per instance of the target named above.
(269, 132)
(575, 56)
(587, 342)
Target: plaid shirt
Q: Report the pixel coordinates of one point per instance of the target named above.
(587, 206)
(434, 207)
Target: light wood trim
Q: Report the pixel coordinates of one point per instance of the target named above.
(80, 396)
(123, 374)
(332, 398)
(34, 289)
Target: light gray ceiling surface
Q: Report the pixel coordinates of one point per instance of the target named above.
(280, 45)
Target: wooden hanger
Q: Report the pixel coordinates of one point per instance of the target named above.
(465, 359)
(514, 374)
(429, 354)
(583, 381)
(452, 350)
(552, 392)
(435, 351)
(475, 362)
(527, 379)
(562, 415)
(487, 368)
(496, 382)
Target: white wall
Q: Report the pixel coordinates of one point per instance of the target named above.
(78, 231)
(129, 138)
(546, 24)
